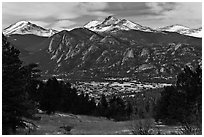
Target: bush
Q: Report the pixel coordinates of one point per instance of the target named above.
(143, 127)
(190, 130)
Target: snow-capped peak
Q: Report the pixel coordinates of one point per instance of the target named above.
(193, 32)
(110, 20)
(26, 27)
(14, 27)
(183, 30)
(174, 28)
(111, 23)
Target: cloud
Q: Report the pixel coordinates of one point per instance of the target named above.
(125, 6)
(61, 25)
(178, 10)
(46, 13)
(68, 14)
(185, 13)
(57, 10)
(159, 7)
(93, 9)
(29, 10)
(91, 6)
(128, 8)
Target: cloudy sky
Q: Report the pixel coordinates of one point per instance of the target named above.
(70, 14)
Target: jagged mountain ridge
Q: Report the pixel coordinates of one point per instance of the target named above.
(85, 54)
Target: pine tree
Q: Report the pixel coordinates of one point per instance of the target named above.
(189, 82)
(50, 96)
(103, 106)
(129, 109)
(15, 95)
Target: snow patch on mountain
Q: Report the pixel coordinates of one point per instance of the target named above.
(92, 24)
(195, 34)
(15, 27)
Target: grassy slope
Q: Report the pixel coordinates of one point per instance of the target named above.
(80, 124)
(86, 125)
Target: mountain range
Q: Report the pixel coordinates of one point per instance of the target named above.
(112, 48)
(108, 24)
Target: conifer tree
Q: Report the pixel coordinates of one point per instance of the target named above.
(16, 80)
(103, 106)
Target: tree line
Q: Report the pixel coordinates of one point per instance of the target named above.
(55, 95)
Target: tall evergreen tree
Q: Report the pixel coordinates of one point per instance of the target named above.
(50, 95)
(189, 82)
(103, 106)
(15, 95)
(129, 109)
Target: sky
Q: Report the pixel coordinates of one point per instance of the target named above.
(67, 15)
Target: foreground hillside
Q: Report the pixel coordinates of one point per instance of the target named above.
(58, 124)
(79, 124)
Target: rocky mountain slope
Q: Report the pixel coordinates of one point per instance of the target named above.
(140, 54)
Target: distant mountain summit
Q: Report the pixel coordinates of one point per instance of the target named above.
(193, 32)
(111, 23)
(174, 28)
(183, 30)
(25, 27)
